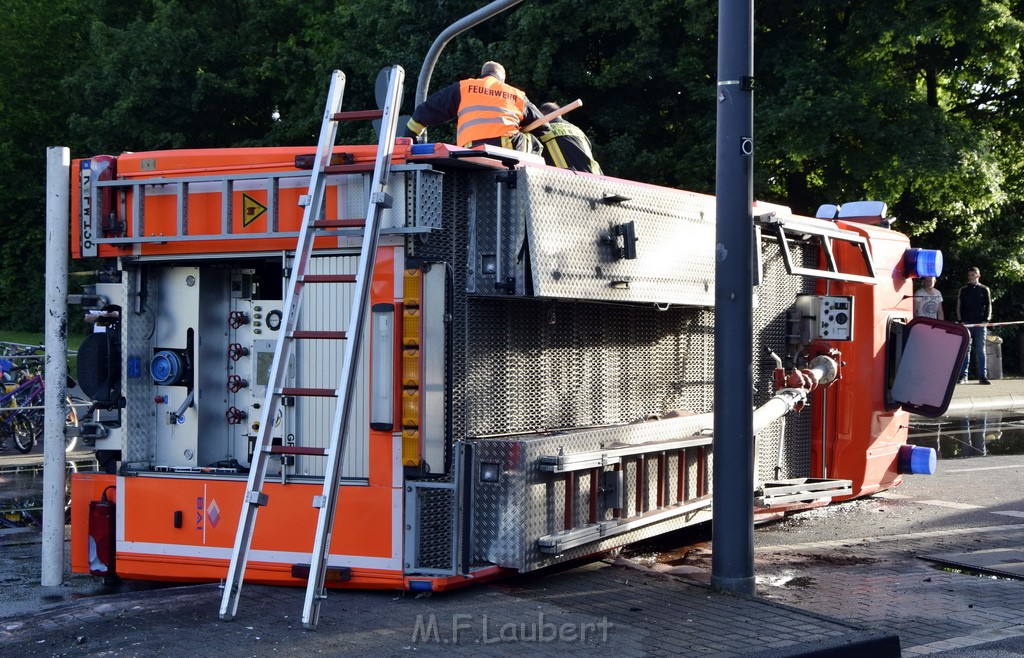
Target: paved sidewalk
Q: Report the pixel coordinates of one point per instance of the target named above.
(884, 583)
(870, 591)
(598, 609)
(1000, 394)
(868, 597)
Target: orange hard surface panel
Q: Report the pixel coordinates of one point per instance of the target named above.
(249, 213)
(209, 162)
(864, 438)
(85, 487)
(210, 509)
(249, 203)
(382, 291)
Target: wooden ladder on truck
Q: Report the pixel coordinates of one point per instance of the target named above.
(264, 449)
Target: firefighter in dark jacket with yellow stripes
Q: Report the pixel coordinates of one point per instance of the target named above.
(488, 112)
(567, 146)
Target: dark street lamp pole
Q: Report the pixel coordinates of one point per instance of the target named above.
(732, 566)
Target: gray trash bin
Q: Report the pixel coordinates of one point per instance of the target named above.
(994, 357)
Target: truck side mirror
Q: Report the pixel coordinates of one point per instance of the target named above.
(928, 365)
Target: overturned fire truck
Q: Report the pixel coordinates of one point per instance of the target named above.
(531, 370)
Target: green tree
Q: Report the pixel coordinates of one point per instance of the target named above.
(41, 38)
(909, 103)
(917, 104)
(182, 74)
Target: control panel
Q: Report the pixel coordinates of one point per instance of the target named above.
(826, 317)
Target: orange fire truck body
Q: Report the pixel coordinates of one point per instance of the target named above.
(535, 382)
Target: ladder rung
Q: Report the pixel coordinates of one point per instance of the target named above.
(357, 115)
(310, 392)
(328, 278)
(339, 223)
(297, 450)
(309, 333)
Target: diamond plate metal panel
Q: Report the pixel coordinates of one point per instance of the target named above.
(482, 234)
(526, 503)
(521, 365)
(568, 225)
(534, 365)
(779, 458)
(138, 430)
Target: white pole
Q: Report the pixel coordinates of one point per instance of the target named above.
(58, 181)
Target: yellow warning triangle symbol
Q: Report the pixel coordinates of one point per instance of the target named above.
(251, 210)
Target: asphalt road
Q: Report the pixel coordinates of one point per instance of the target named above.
(963, 493)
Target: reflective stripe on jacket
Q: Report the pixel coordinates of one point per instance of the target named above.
(488, 108)
(567, 146)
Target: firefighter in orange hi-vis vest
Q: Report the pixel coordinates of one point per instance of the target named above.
(488, 112)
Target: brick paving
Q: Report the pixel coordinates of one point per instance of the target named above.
(887, 586)
(598, 609)
(811, 597)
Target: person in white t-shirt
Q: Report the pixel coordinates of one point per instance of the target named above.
(928, 300)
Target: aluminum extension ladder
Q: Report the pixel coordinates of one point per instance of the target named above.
(284, 350)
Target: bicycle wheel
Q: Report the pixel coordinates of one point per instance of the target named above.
(71, 438)
(7, 414)
(24, 433)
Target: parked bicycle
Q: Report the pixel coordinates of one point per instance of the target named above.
(24, 507)
(22, 402)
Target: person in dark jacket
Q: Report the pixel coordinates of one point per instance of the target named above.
(974, 309)
(567, 146)
(488, 112)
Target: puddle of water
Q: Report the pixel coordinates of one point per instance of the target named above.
(972, 572)
(975, 435)
(107, 586)
(800, 582)
(682, 547)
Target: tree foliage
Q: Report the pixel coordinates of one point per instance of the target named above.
(41, 39)
(915, 103)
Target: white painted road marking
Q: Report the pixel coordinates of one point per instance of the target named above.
(983, 468)
(965, 641)
(884, 539)
(949, 504)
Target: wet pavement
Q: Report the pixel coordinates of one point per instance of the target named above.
(1001, 394)
(884, 581)
(845, 579)
(976, 434)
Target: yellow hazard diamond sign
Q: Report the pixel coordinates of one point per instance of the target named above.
(251, 210)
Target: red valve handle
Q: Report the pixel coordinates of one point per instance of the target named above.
(237, 318)
(234, 415)
(236, 351)
(236, 383)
